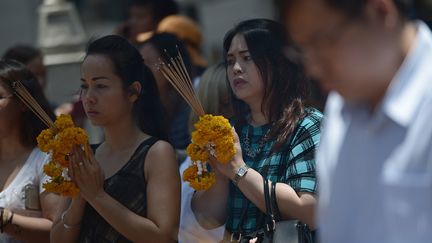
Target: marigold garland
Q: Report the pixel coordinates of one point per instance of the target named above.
(199, 180)
(213, 136)
(58, 141)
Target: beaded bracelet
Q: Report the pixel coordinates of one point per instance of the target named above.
(66, 226)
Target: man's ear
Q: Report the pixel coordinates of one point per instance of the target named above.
(135, 91)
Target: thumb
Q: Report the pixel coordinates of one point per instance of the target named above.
(213, 162)
(236, 137)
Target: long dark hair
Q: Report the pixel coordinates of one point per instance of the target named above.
(129, 66)
(30, 125)
(285, 84)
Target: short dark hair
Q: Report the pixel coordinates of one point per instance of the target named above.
(30, 125)
(129, 66)
(22, 53)
(160, 8)
(286, 87)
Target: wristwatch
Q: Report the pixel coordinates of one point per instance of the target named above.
(241, 172)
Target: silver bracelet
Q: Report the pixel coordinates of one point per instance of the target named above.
(66, 226)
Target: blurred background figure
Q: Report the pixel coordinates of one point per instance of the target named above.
(214, 94)
(156, 49)
(27, 210)
(144, 16)
(187, 30)
(376, 63)
(32, 58)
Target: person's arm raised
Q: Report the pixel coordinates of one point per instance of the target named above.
(163, 196)
(291, 204)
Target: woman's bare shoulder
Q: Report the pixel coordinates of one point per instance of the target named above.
(161, 156)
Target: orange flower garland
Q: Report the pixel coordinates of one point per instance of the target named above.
(58, 141)
(212, 137)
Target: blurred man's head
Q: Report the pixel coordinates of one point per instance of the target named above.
(352, 46)
(31, 57)
(144, 15)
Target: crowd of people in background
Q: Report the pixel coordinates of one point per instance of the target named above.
(330, 107)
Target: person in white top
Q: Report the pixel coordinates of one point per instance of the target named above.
(27, 210)
(375, 159)
(213, 93)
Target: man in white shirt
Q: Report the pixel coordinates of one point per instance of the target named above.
(375, 159)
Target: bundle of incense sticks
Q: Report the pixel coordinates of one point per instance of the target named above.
(34, 106)
(31, 103)
(176, 73)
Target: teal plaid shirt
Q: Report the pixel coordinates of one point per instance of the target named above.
(293, 164)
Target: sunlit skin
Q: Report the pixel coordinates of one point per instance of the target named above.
(243, 74)
(355, 56)
(102, 93)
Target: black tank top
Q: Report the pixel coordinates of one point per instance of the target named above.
(128, 187)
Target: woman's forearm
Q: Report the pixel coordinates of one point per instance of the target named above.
(29, 229)
(210, 206)
(66, 227)
(291, 205)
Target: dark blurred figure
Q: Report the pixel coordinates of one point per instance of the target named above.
(423, 11)
(156, 49)
(32, 58)
(144, 16)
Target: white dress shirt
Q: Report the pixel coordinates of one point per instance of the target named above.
(375, 170)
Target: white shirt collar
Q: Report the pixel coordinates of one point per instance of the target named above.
(414, 78)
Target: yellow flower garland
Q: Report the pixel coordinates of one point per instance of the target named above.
(213, 136)
(58, 141)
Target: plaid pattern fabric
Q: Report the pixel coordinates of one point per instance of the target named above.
(293, 164)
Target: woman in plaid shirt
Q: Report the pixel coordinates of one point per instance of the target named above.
(277, 135)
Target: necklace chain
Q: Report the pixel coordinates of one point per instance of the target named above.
(248, 148)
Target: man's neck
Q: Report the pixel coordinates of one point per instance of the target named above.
(406, 40)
